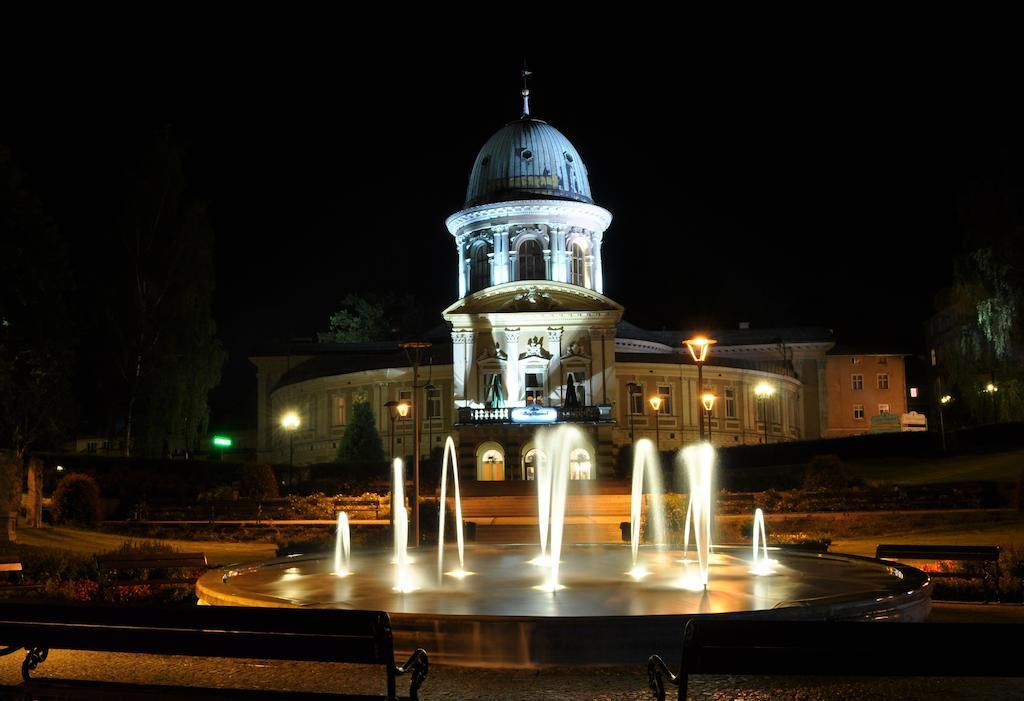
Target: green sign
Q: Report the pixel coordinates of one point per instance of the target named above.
(222, 441)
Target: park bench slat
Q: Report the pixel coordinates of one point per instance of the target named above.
(46, 689)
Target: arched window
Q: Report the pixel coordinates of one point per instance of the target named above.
(479, 267)
(491, 462)
(532, 459)
(580, 467)
(530, 261)
(577, 265)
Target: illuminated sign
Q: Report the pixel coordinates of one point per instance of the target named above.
(222, 441)
(534, 414)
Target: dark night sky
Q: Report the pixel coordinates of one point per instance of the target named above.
(795, 187)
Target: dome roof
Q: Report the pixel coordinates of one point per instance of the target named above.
(527, 159)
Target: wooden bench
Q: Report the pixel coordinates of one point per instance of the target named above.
(985, 554)
(10, 567)
(190, 566)
(319, 635)
(830, 648)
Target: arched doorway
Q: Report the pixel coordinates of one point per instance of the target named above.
(580, 465)
(490, 461)
(532, 458)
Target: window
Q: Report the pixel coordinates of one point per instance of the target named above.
(531, 461)
(492, 465)
(534, 384)
(494, 390)
(405, 395)
(665, 392)
(730, 402)
(858, 412)
(883, 408)
(636, 401)
(338, 415)
(577, 265)
(883, 380)
(580, 467)
(855, 361)
(882, 360)
(433, 395)
(579, 380)
(857, 381)
(479, 267)
(530, 261)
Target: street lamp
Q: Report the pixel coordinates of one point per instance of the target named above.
(290, 422)
(656, 405)
(991, 390)
(699, 348)
(764, 392)
(416, 347)
(708, 400)
(427, 390)
(943, 401)
(633, 389)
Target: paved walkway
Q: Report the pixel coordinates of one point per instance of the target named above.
(557, 683)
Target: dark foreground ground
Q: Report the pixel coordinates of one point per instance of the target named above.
(558, 683)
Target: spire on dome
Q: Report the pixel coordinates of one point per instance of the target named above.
(526, 91)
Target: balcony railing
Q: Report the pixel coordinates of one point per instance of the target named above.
(582, 414)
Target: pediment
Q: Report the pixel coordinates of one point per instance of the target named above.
(533, 296)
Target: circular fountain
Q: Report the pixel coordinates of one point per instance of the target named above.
(524, 605)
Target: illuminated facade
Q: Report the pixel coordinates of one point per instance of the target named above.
(533, 340)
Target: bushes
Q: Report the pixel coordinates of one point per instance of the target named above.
(825, 472)
(77, 501)
(257, 481)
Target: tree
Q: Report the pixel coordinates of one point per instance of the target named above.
(361, 443)
(159, 309)
(372, 317)
(36, 338)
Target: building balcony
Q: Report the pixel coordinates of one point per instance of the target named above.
(534, 415)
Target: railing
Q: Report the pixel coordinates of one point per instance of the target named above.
(583, 414)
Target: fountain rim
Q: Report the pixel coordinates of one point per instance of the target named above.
(917, 583)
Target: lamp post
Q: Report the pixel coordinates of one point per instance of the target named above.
(699, 347)
(708, 400)
(415, 347)
(633, 389)
(764, 392)
(427, 389)
(991, 388)
(943, 401)
(290, 422)
(656, 405)
(392, 414)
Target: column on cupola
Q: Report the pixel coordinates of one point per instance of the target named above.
(500, 268)
(595, 266)
(555, 365)
(460, 245)
(547, 254)
(559, 264)
(462, 366)
(512, 367)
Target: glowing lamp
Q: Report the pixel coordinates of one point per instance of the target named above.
(290, 421)
(990, 388)
(699, 348)
(655, 403)
(946, 398)
(708, 400)
(222, 441)
(403, 409)
(764, 390)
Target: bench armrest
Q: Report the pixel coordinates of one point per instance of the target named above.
(657, 672)
(417, 666)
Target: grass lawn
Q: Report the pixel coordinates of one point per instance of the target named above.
(92, 542)
(1004, 534)
(998, 467)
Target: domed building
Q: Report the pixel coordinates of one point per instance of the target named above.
(534, 341)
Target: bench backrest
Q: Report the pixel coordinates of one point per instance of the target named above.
(938, 552)
(322, 635)
(10, 566)
(848, 648)
(111, 563)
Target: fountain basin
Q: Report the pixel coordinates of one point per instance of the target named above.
(497, 618)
